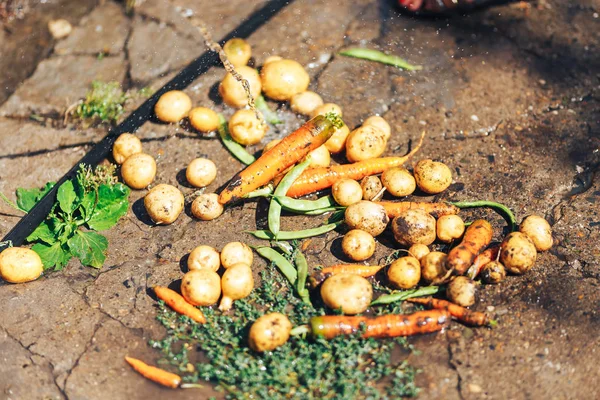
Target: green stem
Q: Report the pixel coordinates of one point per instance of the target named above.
(378, 56)
(236, 149)
(291, 204)
(264, 191)
(501, 209)
(11, 203)
(407, 294)
(270, 115)
(290, 235)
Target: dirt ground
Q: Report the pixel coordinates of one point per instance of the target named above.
(509, 97)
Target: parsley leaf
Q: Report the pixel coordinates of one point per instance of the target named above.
(89, 247)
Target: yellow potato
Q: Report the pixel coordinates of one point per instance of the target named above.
(203, 119)
(365, 143)
(367, 216)
(173, 106)
(201, 287)
(538, 230)
(398, 181)
(164, 203)
(358, 245)
(517, 253)
(269, 332)
(319, 157)
(305, 103)
(238, 51)
(138, 170)
(449, 228)
(432, 177)
(283, 78)
(233, 92)
(20, 265)
(206, 207)
(380, 123)
(204, 257)
(350, 293)
(404, 273)
(245, 128)
(337, 142)
(201, 172)
(125, 146)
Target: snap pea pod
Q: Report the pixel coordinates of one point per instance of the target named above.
(501, 209)
(236, 149)
(287, 248)
(291, 204)
(302, 267)
(290, 235)
(286, 267)
(270, 115)
(378, 56)
(322, 210)
(406, 294)
(264, 191)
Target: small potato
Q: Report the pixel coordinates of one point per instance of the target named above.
(125, 146)
(271, 59)
(283, 78)
(319, 157)
(380, 123)
(138, 170)
(201, 172)
(206, 207)
(269, 332)
(365, 143)
(367, 216)
(305, 103)
(236, 253)
(20, 265)
(414, 226)
(418, 251)
(337, 142)
(449, 228)
(233, 92)
(350, 293)
(358, 245)
(245, 128)
(201, 287)
(493, 272)
(238, 51)
(164, 203)
(433, 266)
(461, 290)
(517, 253)
(371, 187)
(203, 119)
(327, 108)
(204, 257)
(173, 106)
(404, 273)
(398, 181)
(346, 192)
(538, 230)
(432, 177)
(237, 282)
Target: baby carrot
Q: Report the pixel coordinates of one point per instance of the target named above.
(394, 208)
(157, 375)
(483, 258)
(355, 269)
(321, 178)
(462, 314)
(285, 154)
(477, 236)
(391, 325)
(179, 304)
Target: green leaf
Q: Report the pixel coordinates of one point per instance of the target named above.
(45, 232)
(66, 196)
(89, 247)
(27, 198)
(53, 256)
(88, 205)
(112, 205)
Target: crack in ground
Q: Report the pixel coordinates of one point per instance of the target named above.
(453, 366)
(45, 151)
(128, 81)
(76, 363)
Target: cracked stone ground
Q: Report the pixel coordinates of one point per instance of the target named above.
(509, 97)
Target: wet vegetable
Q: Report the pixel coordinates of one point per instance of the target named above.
(204, 257)
(365, 143)
(319, 157)
(395, 208)
(235, 148)
(235, 253)
(398, 181)
(396, 296)
(245, 128)
(306, 102)
(461, 290)
(178, 304)
(449, 228)
(414, 226)
(404, 273)
(349, 293)
(486, 256)
(206, 207)
(371, 186)
(476, 238)
(355, 269)
(20, 265)
(164, 203)
(462, 314)
(237, 282)
(493, 272)
(233, 92)
(154, 374)
(238, 51)
(517, 253)
(203, 119)
(138, 170)
(380, 123)
(269, 332)
(378, 56)
(327, 108)
(346, 192)
(173, 106)
(367, 216)
(337, 141)
(501, 209)
(432, 177)
(433, 266)
(418, 251)
(126, 145)
(283, 78)
(201, 172)
(201, 287)
(358, 245)
(538, 230)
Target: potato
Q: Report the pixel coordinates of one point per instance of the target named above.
(432, 177)
(398, 181)
(337, 142)
(283, 78)
(206, 207)
(164, 203)
(201, 287)
(367, 216)
(418, 251)
(235, 253)
(201, 172)
(517, 253)
(233, 92)
(327, 108)
(173, 106)
(203, 119)
(365, 143)
(204, 257)
(433, 266)
(538, 230)
(358, 245)
(305, 103)
(245, 128)
(371, 187)
(269, 332)
(319, 157)
(237, 282)
(125, 146)
(20, 265)
(414, 226)
(138, 170)
(350, 293)
(493, 272)
(404, 273)
(449, 228)
(380, 123)
(346, 192)
(238, 51)
(271, 59)
(461, 290)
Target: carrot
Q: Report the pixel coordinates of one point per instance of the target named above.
(476, 238)
(283, 155)
(483, 258)
(391, 325)
(179, 304)
(462, 314)
(157, 375)
(394, 208)
(356, 269)
(320, 178)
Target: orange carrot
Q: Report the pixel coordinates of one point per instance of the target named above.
(157, 375)
(477, 236)
(483, 258)
(286, 153)
(356, 269)
(394, 208)
(179, 304)
(392, 325)
(460, 313)
(320, 178)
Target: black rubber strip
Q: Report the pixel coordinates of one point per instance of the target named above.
(137, 118)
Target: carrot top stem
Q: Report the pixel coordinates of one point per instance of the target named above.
(501, 209)
(406, 294)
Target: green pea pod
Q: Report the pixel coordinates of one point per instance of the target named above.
(290, 235)
(236, 149)
(406, 294)
(270, 115)
(302, 267)
(264, 191)
(286, 267)
(322, 211)
(378, 56)
(291, 204)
